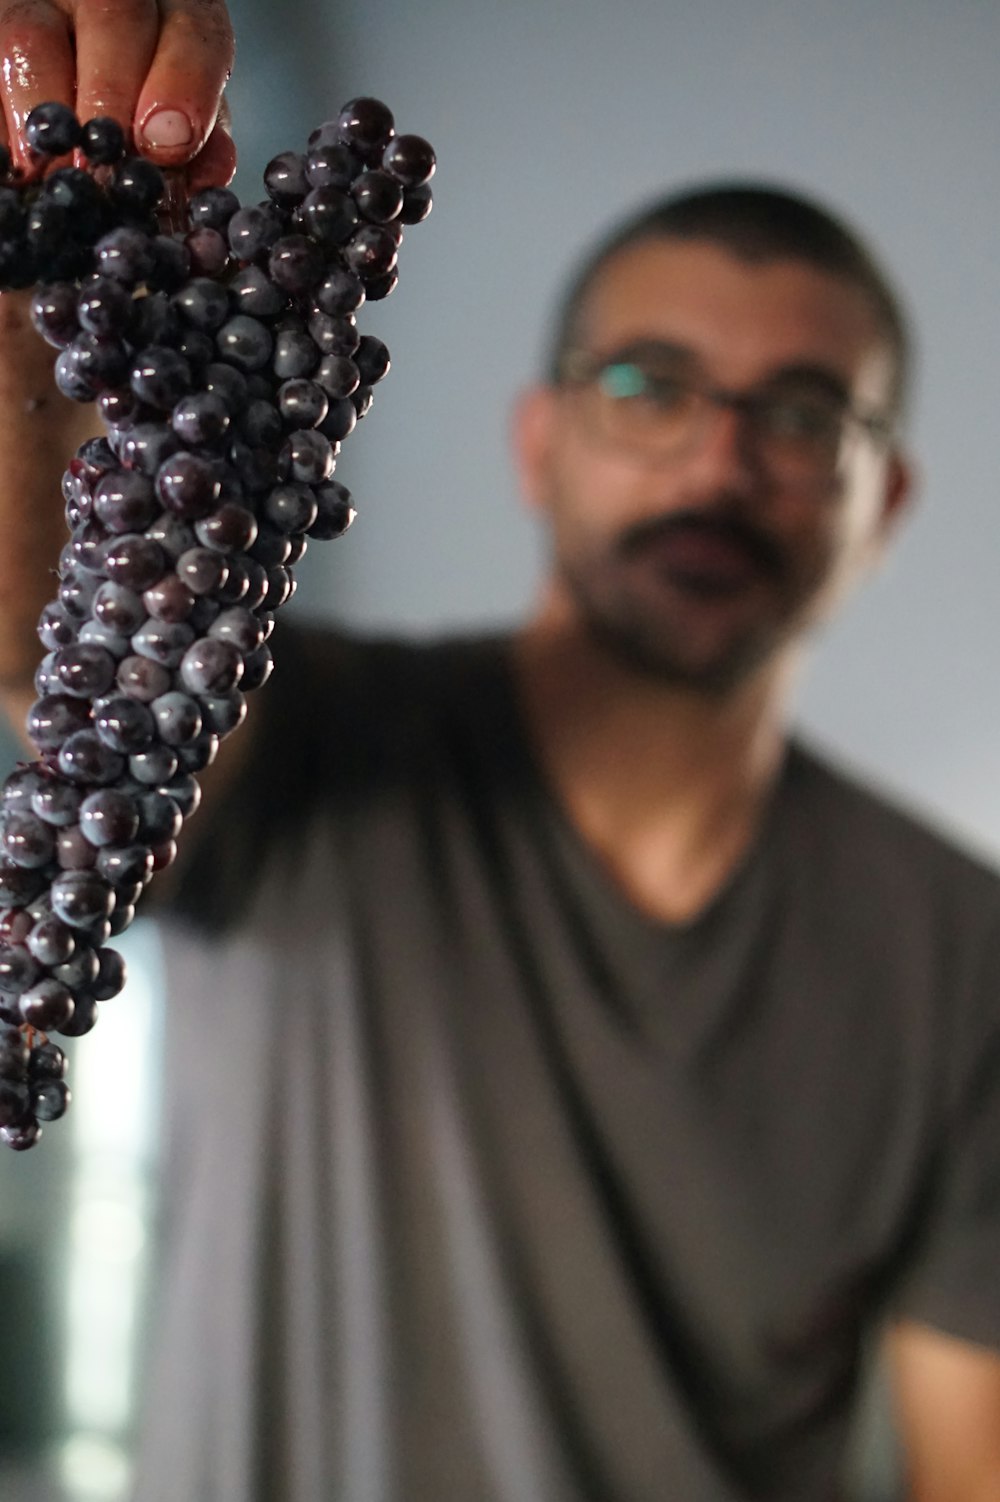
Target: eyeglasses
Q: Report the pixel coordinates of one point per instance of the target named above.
(653, 408)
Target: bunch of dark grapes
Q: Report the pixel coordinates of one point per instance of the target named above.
(227, 367)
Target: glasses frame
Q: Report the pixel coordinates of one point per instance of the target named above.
(581, 368)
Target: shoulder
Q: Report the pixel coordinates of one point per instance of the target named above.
(367, 702)
(881, 847)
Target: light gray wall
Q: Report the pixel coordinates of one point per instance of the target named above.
(550, 117)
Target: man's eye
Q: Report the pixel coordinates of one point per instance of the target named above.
(799, 418)
(666, 393)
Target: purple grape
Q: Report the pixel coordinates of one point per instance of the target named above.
(147, 444)
(105, 306)
(334, 335)
(160, 815)
(15, 1101)
(54, 313)
(285, 178)
(160, 377)
(153, 767)
(253, 292)
(203, 303)
(340, 292)
(109, 817)
(371, 251)
(302, 403)
(213, 207)
(125, 254)
(124, 724)
(223, 713)
(124, 501)
(58, 803)
(84, 671)
(80, 898)
(230, 529)
(380, 287)
(125, 866)
(251, 231)
(244, 342)
(177, 716)
(340, 420)
(295, 354)
(120, 608)
(169, 600)
(137, 185)
(306, 458)
(103, 141)
(52, 129)
(135, 561)
(411, 159)
(207, 250)
(54, 717)
(27, 840)
(84, 758)
(331, 164)
(417, 204)
(366, 125)
(202, 570)
(378, 195)
(187, 486)
(50, 942)
(50, 1098)
(329, 215)
(334, 510)
(240, 627)
(163, 642)
(338, 376)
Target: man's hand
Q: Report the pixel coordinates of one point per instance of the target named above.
(157, 68)
(947, 1397)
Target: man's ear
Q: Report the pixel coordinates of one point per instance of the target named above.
(900, 492)
(531, 432)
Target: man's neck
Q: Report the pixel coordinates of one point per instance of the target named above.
(666, 784)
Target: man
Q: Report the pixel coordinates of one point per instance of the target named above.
(566, 1073)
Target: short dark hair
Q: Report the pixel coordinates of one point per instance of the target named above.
(756, 222)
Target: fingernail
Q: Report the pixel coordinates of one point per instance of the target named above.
(167, 128)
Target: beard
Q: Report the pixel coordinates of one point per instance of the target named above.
(698, 600)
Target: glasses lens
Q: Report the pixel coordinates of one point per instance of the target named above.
(643, 407)
(801, 430)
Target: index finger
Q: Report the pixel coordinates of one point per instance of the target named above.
(38, 64)
(115, 44)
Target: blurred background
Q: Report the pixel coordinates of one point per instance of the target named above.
(550, 118)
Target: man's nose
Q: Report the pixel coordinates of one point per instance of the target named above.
(722, 451)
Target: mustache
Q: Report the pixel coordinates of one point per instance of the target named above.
(718, 522)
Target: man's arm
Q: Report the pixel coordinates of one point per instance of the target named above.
(160, 70)
(947, 1403)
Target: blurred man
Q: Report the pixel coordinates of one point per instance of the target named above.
(567, 1070)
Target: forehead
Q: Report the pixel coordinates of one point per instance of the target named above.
(742, 320)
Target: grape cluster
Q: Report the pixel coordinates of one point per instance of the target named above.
(227, 367)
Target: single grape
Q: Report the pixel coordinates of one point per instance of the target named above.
(213, 207)
(366, 125)
(103, 141)
(52, 129)
(410, 159)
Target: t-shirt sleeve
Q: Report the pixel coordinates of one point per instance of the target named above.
(952, 1280)
(280, 773)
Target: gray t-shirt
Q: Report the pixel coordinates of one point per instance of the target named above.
(482, 1186)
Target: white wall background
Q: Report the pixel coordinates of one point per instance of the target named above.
(550, 117)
